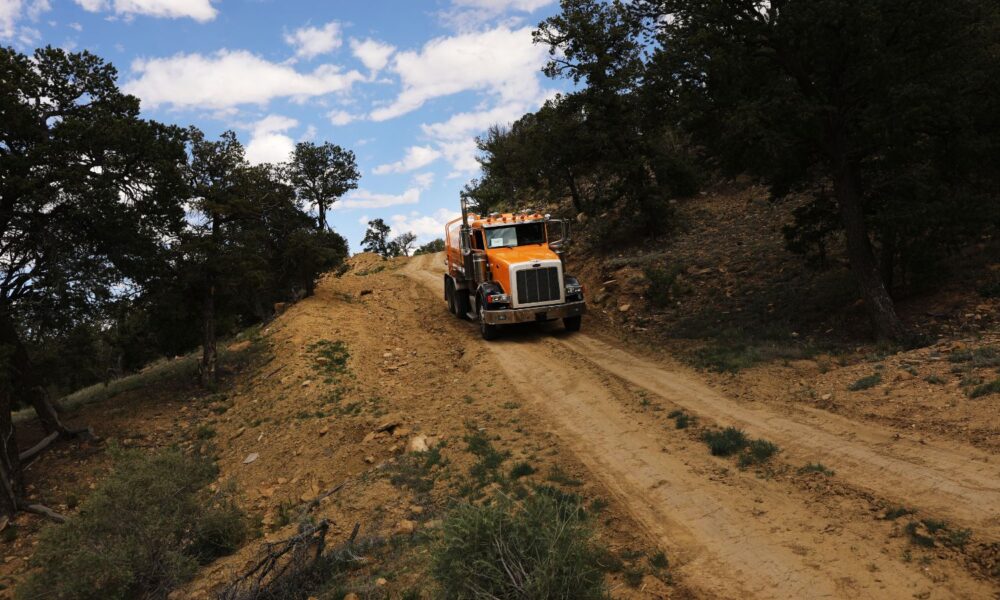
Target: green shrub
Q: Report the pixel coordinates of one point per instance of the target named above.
(489, 458)
(726, 442)
(865, 383)
(992, 387)
(140, 534)
(681, 419)
(521, 469)
(816, 468)
(758, 452)
(985, 357)
(896, 512)
(537, 549)
(662, 286)
(726, 358)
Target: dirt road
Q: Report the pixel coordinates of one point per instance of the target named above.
(743, 534)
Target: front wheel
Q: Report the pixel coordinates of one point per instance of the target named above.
(449, 294)
(572, 323)
(489, 332)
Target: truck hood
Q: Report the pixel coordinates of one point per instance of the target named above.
(521, 254)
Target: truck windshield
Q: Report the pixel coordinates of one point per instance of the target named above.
(516, 235)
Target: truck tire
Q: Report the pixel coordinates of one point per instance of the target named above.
(449, 295)
(461, 300)
(572, 323)
(489, 332)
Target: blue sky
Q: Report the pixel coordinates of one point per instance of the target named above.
(405, 84)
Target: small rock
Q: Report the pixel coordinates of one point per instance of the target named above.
(826, 396)
(369, 459)
(418, 443)
(624, 308)
(368, 437)
(404, 527)
(250, 458)
(239, 346)
(387, 426)
(381, 582)
(351, 596)
(387, 355)
(307, 383)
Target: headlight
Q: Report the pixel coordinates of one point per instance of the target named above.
(497, 299)
(573, 288)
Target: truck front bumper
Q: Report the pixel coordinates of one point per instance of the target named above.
(535, 313)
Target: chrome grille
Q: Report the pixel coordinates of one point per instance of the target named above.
(538, 285)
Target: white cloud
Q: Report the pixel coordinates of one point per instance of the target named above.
(500, 61)
(36, 8)
(342, 117)
(12, 11)
(467, 15)
(455, 137)
(75, 26)
(466, 124)
(504, 5)
(374, 55)
(269, 142)
(423, 180)
(310, 42)
(199, 10)
(462, 156)
(309, 134)
(416, 157)
(229, 78)
(93, 5)
(367, 199)
(425, 227)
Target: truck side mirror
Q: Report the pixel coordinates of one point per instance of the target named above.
(558, 243)
(465, 242)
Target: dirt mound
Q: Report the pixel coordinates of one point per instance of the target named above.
(370, 406)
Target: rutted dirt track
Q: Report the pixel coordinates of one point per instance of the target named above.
(732, 533)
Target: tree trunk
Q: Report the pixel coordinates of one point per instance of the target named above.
(887, 259)
(209, 355)
(321, 218)
(881, 310)
(574, 191)
(23, 382)
(11, 479)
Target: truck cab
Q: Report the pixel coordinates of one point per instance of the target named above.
(507, 268)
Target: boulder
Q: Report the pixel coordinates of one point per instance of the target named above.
(418, 443)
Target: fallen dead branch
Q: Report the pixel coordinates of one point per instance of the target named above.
(293, 556)
(298, 565)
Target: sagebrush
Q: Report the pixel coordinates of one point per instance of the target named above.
(542, 548)
(142, 532)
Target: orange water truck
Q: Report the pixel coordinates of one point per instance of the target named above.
(508, 268)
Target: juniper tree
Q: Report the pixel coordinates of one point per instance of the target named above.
(890, 105)
(322, 174)
(89, 195)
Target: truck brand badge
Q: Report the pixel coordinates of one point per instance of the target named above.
(536, 265)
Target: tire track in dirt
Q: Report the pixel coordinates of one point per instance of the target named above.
(959, 483)
(735, 536)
